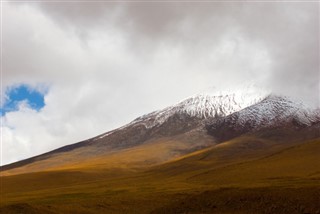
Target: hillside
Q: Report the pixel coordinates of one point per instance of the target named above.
(277, 174)
(202, 155)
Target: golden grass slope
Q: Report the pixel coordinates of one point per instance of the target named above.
(150, 153)
(245, 175)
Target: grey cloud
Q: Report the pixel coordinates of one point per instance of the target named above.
(283, 31)
(288, 31)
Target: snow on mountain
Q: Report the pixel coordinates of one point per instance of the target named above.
(201, 106)
(273, 111)
(250, 108)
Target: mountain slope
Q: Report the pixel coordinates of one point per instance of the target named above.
(271, 112)
(206, 154)
(179, 129)
(286, 178)
(187, 117)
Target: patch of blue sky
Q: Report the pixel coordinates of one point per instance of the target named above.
(22, 93)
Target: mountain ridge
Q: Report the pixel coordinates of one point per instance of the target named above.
(272, 112)
(222, 117)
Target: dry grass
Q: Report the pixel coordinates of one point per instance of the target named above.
(153, 152)
(265, 178)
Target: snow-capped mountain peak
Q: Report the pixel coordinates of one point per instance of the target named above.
(249, 110)
(201, 106)
(204, 105)
(278, 108)
(272, 112)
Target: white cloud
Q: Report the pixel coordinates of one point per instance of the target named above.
(105, 64)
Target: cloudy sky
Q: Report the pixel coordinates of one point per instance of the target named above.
(73, 70)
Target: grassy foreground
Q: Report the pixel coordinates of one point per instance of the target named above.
(276, 179)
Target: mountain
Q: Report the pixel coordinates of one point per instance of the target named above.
(187, 114)
(193, 124)
(231, 153)
(183, 122)
(273, 112)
